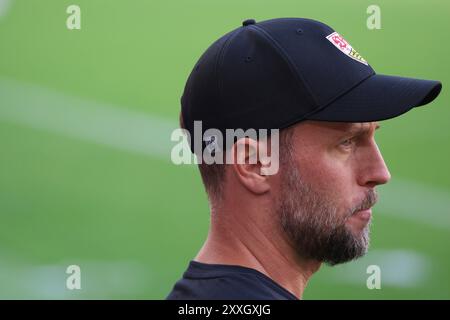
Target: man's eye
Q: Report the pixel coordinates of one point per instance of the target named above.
(347, 142)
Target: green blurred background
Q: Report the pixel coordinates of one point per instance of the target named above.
(85, 121)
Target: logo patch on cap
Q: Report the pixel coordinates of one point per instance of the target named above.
(340, 43)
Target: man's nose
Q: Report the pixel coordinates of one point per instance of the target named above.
(373, 168)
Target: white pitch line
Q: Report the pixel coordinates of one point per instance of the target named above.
(24, 279)
(122, 129)
(131, 131)
(414, 201)
(399, 268)
(4, 7)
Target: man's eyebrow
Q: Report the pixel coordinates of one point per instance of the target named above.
(360, 129)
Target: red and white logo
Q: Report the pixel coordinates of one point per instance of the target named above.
(339, 42)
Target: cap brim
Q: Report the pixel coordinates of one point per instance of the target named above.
(379, 97)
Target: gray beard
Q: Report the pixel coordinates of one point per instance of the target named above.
(314, 226)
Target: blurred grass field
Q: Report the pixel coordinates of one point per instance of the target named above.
(85, 177)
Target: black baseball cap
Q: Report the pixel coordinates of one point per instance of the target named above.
(275, 73)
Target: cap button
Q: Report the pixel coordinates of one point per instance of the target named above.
(248, 21)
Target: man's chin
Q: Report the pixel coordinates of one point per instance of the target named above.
(355, 247)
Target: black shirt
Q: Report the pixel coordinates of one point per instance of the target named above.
(226, 282)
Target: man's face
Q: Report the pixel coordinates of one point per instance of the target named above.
(327, 178)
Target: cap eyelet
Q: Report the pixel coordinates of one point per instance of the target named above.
(248, 59)
(248, 22)
(299, 31)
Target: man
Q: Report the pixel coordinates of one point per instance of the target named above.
(269, 233)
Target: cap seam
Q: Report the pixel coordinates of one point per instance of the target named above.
(305, 116)
(289, 62)
(331, 100)
(220, 60)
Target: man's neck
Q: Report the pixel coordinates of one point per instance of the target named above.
(249, 245)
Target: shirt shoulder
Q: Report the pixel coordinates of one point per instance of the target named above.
(223, 282)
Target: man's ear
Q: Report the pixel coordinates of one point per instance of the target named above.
(248, 167)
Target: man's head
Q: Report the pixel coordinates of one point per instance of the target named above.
(327, 175)
(302, 77)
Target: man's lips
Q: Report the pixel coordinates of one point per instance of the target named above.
(363, 214)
